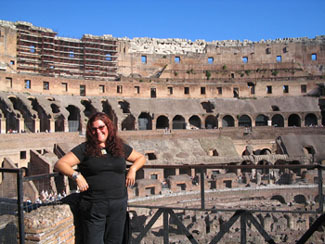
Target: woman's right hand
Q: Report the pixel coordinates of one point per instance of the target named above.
(82, 183)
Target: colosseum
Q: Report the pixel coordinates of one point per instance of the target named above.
(237, 123)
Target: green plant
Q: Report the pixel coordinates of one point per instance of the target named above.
(247, 72)
(224, 67)
(208, 74)
(275, 72)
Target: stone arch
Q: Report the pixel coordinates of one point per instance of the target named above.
(44, 118)
(179, 122)
(234, 170)
(317, 198)
(265, 151)
(245, 121)
(59, 118)
(278, 120)
(59, 123)
(261, 120)
(51, 99)
(263, 171)
(145, 121)
(294, 120)
(279, 198)
(89, 108)
(246, 162)
(107, 109)
(128, 123)
(162, 122)
(21, 112)
(310, 119)
(300, 199)
(297, 171)
(195, 122)
(211, 122)
(228, 121)
(74, 122)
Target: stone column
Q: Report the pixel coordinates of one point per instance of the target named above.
(154, 121)
(21, 124)
(37, 127)
(52, 125)
(285, 123)
(253, 123)
(3, 126)
(66, 125)
(219, 122)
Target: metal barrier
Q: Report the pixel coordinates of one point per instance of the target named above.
(245, 216)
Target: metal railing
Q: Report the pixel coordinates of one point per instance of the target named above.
(244, 216)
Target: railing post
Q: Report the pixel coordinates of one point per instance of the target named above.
(202, 188)
(320, 189)
(166, 227)
(243, 228)
(20, 204)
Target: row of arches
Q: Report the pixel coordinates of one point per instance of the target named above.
(29, 114)
(145, 121)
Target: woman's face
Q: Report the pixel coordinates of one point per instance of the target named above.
(100, 130)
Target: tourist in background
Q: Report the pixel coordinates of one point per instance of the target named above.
(101, 179)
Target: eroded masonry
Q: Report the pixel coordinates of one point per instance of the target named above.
(179, 102)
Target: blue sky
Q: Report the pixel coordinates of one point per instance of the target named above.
(186, 19)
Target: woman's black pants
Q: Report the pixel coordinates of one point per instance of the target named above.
(103, 220)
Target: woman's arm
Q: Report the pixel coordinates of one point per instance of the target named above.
(138, 160)
(64, 166)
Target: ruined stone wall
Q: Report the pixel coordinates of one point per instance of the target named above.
(8, 47)
(17, 146)
(142, 88)
(147, 64)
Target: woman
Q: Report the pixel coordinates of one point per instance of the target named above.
(101, 180)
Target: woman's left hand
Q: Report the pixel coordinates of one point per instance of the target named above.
(130, 177)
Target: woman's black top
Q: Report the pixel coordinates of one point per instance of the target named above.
(105, 175)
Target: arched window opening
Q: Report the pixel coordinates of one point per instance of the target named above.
(278, 198)
(195, 122)
(294, 120)
(145, 121)
(310, 120)
(261, 120)
(244, 121)
(211, 122)
(74, 119)
(59, 123)
(277, 121)
(162, 122)
(179, 122)
(128, 123)
(300, 199)
(228, 121)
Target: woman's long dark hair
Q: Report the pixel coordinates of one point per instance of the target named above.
(113, 144)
